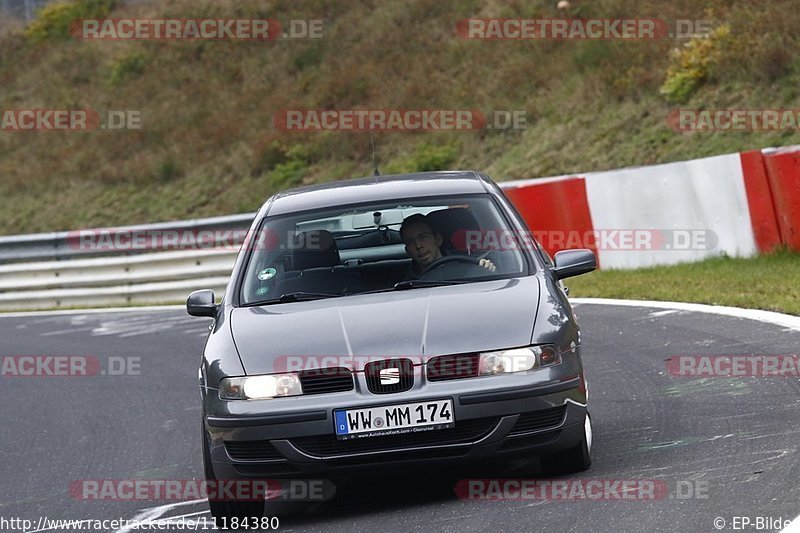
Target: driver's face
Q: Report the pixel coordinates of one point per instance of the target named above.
(422, 244)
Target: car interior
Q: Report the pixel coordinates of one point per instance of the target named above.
(345, 261)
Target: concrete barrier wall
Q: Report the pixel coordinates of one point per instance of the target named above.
(760, 201)
(734, 204)
(783, 172)
(554, 210)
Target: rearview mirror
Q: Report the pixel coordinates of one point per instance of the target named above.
(570, 263)
(201, 303)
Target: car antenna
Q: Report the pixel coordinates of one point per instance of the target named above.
(375, 171)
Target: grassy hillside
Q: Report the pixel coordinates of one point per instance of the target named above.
(208, 145)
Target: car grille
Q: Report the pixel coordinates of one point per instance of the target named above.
(252, 450)
(402, 379)
(323, 380)
(539, 420)
(446, 367)
(465, 431)
(266, 470)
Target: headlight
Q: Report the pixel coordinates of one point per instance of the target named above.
(517, 360)
(260, 387)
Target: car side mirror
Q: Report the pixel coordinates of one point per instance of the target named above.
(570, 263)
(201, 303)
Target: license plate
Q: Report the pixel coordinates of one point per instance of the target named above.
(394, 419)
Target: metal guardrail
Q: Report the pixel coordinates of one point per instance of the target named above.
(127, 270)
(48, 270)
(60, 245)
(140, 294)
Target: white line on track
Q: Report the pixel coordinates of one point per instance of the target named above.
(794, 527)
(665, 312)
(779, 319)
(154, 513)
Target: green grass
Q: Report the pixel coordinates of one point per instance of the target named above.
(770, 282)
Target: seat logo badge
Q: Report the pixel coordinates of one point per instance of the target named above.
(390, 376)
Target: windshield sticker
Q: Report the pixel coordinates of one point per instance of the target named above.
(267, 273)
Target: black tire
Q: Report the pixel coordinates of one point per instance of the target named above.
(227, 512)
(245, 514)
(572, 460)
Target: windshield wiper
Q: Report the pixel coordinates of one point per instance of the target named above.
(417, 283)
(408, 284)
(296, 297)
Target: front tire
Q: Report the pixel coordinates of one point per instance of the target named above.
(236, 514)
(575, 459)
(226, 513)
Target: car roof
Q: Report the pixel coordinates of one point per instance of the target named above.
(375, 188)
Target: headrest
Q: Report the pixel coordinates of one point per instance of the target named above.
(454, 221)
(314, 248)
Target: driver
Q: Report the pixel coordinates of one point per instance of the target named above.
(423, 245)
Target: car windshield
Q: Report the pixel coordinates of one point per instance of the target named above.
(346, 250)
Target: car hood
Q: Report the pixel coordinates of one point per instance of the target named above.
(417, 323)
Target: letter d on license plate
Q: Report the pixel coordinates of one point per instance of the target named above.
(394, 419)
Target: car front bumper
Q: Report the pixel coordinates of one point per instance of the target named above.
(510, 419)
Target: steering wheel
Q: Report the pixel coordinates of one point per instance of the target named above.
(450, 259)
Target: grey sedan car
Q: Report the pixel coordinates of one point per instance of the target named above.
(386, 322)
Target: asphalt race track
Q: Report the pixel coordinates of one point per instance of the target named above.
(732, 440)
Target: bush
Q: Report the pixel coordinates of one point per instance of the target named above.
(430, 157)
(167, 170)
(290, 167)
(268, 154)
(53, 21)
(309, 56)
(690, 65)
(126, 67)
(288, 173)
